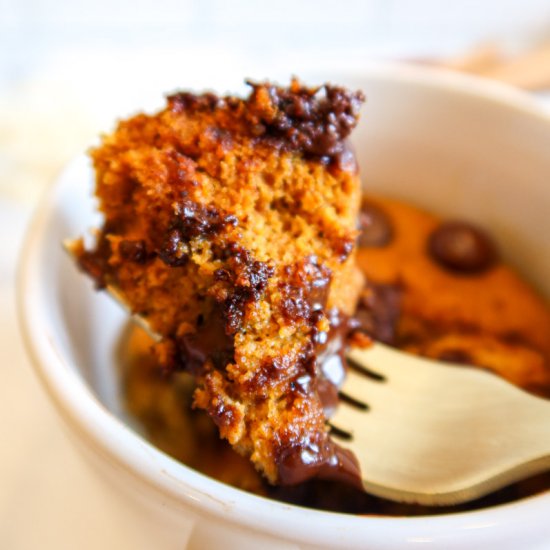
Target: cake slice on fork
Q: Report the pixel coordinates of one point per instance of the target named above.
(230, 226)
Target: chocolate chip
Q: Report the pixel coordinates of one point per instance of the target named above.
(133, 251)
(375, 225)
(174, 250)
(462, 247)
(315, 121)
(378, 312)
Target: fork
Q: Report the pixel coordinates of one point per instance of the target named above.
(437, 434)
(424, 432)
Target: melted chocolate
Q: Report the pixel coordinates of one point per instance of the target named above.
(328, 394)
(305, 293)
(312, 121)
(378, 311)
(323, 461)
(134, 251)
(210, 341)
(327, 369)
(462, 248)
(375, 225)
(244, 280)
(315, 121)
(190, 220)
(325, 372)
(183, 101)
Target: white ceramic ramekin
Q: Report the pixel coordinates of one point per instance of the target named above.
(449, 143)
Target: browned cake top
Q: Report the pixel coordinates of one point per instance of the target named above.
(230, 225)
(313, 121)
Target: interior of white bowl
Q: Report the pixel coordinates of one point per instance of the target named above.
(442, 142)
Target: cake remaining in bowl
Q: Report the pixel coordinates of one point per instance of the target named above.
(488, 318)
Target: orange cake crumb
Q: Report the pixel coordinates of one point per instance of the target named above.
(230, 226)
(481, 313)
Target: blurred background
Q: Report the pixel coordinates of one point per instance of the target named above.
(68, 69)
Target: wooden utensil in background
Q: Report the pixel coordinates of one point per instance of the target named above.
(529, 70)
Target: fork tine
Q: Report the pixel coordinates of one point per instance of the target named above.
(440, 435)
(364, 390)
(393, 364)
(363, 369)
(69, 247)
(373, 359)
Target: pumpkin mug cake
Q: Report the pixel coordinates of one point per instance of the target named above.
(230, 226)
(235, 227)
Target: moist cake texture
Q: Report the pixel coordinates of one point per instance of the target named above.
(475, 310)
(483, 315)
(230, 224)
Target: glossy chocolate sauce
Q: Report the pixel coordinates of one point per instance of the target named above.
(312, 460)
(322, 459)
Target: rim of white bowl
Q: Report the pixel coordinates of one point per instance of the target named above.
(83, 410)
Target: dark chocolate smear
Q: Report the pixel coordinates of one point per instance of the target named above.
(459, 356)
(378, 312)
(210, 341)
(191, 220)
(134, 251)
(326, 460)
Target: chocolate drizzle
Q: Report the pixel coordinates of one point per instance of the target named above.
(209, 342)
(190, 220)
(306, 295)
